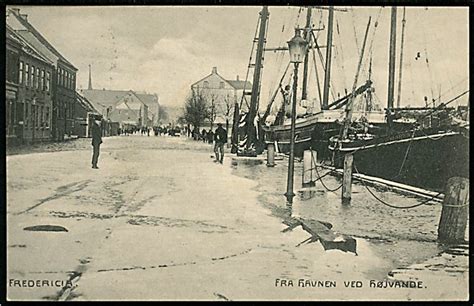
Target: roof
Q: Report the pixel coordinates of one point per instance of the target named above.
(27, 27)
(86, 104)
(148, 99)
(26, 46)
(236, 84)
(240, 84)
(102, 97)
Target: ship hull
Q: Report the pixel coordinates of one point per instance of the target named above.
(313, 132)
(422, 160)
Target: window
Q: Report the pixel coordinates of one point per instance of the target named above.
(221, 85)
(37, 78)
(206, 84)
(20, 75)
(27, 74)
(59, 76)
(73, 85)
(32, 76)
(42, 80)
(38, 116)
(48, 79)
(64, 78)
(46, 116)
(41, 116)
(27, 113)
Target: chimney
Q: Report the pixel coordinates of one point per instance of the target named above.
(24, 17)
(90, 79)
(214, 70)
(237, 77)
(15, 11)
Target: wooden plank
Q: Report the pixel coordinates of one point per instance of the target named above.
(394, 185)
(321, 231)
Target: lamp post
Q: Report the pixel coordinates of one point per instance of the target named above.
(297, 47)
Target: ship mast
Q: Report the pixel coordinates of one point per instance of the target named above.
(307, 37)
(349, 106)
(391, 61)
(327, 72)
(401, 61)
(256, 78)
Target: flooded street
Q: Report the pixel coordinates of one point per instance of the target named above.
(402, 235)
(160, 221)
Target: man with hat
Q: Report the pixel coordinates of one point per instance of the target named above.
(220, 138)
(96, 141)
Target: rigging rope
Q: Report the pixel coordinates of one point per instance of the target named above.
(355, 32)
(298, 17)
(342, 56)
(320, 178)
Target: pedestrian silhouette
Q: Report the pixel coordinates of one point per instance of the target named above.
(220, 138)
(96, 141)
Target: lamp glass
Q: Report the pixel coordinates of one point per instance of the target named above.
(297, 47)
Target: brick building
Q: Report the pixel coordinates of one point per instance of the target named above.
(63, 77)
(28, 91)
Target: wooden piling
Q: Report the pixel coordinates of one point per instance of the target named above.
(309, 168)
(454, 214)
(270, 155)
(347, 179)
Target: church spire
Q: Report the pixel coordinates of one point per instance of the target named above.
(90, 78)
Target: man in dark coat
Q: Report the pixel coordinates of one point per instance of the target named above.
(220, 138)
(96, 141)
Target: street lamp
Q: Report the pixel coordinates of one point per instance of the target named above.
(297, 47)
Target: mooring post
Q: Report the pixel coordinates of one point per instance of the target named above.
(347, 179)
(270, 155)
(455, 211)
(309, 165)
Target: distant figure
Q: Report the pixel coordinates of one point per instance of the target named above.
(220, 138)
(203, 135)
(96, 141)
(148, 131)
(210, 137)
(196, 133)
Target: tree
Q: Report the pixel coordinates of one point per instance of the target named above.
(162, 115)
(228, 110)
(212, 109)
(196, 109)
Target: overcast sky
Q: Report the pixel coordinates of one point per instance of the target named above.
(164, 50)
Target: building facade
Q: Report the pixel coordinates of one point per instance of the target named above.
(29, 93)
(222, 93)
(84, 112)
(125, 107)
(63, 78)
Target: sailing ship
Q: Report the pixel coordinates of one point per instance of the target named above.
(313, 130)
(433, 147)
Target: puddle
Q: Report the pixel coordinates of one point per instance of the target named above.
(46, 228)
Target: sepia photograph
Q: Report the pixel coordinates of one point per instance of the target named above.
(237, 153)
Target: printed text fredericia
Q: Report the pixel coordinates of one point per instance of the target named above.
(30, 283)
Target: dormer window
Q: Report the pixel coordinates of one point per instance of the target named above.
(206, 84)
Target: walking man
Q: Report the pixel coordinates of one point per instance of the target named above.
(220, 138)
(96, 141)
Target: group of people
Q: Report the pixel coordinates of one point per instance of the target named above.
(219, 137)
(157, 131)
